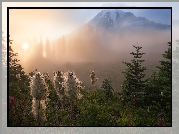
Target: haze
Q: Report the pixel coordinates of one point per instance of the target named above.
(51, 40)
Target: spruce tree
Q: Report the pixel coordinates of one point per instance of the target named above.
(64, 45)
(158, 91)
(134, 76)
(47, 48)
(165, 83)
(108, 88)
(152, 91)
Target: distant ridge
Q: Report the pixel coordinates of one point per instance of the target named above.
(119, 20)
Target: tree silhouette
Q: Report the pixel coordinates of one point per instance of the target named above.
(134, 75)
(40, 49)
(158, 89)
(47, 48)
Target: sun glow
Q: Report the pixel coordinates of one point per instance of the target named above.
(25, 46)
(44, 54)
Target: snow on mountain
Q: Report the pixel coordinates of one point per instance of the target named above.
(151, 14)
(118, 19)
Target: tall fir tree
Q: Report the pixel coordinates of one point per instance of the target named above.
(64, 45)
(134, 83)
(40, 49)
(165, 80)
(158, 91)
(47, 50)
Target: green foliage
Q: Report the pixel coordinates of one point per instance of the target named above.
(159, 87)
(166, 81)
(20, 111)
(108, 87)
(100, 107)
(95, 110)
(134, 83)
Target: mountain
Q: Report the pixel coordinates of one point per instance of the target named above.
(111, 34)
(151, 14)
(119, 20)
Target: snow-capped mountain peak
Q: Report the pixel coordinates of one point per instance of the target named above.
(112, 13)
(110, 19)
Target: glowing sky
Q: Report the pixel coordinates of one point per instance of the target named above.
(27, 24)
(174, 6)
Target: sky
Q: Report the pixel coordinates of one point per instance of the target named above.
(26, 21)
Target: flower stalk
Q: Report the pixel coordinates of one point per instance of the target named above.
(39, 92)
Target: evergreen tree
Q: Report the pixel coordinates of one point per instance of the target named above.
(134, 76)
(47, 50)
(158, 91)
(108, 87)
(63, 45)
(40, 49)
(165, 82)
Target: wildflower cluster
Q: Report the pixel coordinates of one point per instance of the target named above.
(93, 77)
(67, 84)
(59, 84)
(39, 92)
(11, 100)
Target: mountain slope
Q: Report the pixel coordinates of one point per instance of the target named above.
(120, 20)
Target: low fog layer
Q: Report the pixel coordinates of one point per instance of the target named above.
(93, 46)
(87, 49)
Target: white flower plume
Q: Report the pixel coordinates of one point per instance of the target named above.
(67, 84)
(93, 78)
(38, 109)
(38, 86)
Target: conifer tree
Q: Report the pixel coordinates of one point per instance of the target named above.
(47, 48)
(165, 82)
(63, 46)
(134, 76)
(108, 88)
(158, 91)
(40, 49)
(152, 91)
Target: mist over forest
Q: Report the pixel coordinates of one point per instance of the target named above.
(114, 70)
(98, 45)
(87, 49)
